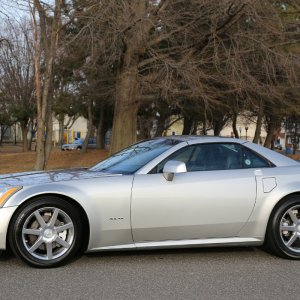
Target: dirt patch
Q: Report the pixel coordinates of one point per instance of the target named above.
(12, 159)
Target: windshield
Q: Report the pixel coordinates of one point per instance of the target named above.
(131, 159)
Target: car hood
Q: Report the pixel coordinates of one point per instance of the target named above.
(41, 177)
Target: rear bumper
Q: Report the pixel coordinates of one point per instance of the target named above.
(5, 216)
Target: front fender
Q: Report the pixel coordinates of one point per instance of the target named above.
(106, 202)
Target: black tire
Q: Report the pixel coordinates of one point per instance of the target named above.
(57, 243)
(277, 238)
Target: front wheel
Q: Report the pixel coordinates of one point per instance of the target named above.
(46, 232)
(283, 232)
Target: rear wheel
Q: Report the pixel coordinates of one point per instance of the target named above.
(46, 232)
(283, 233)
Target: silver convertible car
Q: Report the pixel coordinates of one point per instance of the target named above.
(162, 193)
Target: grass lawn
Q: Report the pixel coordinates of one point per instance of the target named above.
(12, 159)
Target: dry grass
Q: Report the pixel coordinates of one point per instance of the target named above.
(12, 159)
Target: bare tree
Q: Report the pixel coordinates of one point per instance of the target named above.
(17, 76)
(46, 36)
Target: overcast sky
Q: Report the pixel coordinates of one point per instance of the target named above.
(15, 9)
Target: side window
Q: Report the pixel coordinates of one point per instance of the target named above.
(219, 156)
(215, 156)
(252, 160)
(233, 156)
(206, 157)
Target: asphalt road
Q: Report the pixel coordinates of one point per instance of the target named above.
(222, 273)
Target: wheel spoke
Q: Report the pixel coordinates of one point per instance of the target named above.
(31, 231)
(62, 242)
(64, 227)
(293, 216)
(288, 228)
(37, 244)
(54, 217)
(292, 240)
(49, 250)
(40, 219)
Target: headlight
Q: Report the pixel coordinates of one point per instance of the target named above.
(6, 193)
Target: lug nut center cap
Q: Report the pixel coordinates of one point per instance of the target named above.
(48, 233)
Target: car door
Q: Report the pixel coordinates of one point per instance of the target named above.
(213, 199)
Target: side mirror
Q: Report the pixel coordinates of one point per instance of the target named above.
(172, 167)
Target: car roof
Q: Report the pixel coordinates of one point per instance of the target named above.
(204, 139)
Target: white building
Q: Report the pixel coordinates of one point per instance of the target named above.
(72, 129)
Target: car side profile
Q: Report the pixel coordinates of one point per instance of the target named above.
(168, 192)
(77, 145)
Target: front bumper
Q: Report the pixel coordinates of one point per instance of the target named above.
(5, 216)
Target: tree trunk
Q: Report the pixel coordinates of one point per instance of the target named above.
(258, 124)
(24, 137)
(15, 134)
(270, 135)
(61, 130)
(1, 135)
(273, 142)
(30, 133)
(125, 113)
(187, 125)
(40, 147)
(217, 128)
(100, 130)
(49, 45)
(274, 124)
(90, 126)
(30, 141)
(234, 128)
(161, 122)
(44, 127)
(195, 128)
(295, 145)
(124, 131)
(3, 129)
(49, 129)
(204, 129)
(143, 128)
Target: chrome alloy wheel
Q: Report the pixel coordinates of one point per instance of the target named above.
(48, 233)
(290, 228)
